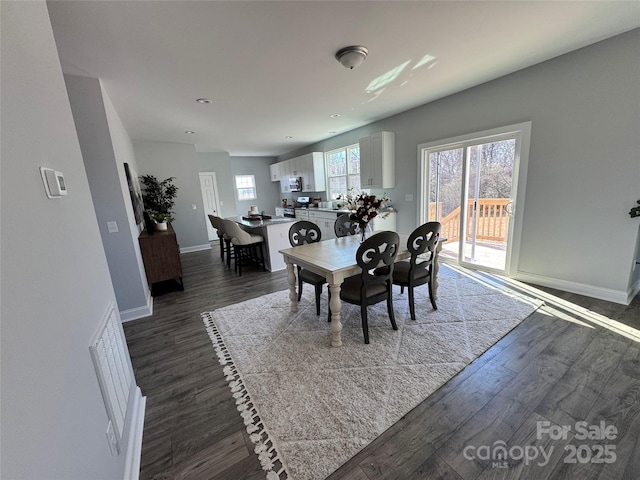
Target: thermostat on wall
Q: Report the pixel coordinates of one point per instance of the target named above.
(53, 182)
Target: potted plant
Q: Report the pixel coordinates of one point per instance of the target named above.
(159, 198)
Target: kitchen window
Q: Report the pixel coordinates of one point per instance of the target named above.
(343, 170)
(246, 187)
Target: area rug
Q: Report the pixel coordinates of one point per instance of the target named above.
(308, 407)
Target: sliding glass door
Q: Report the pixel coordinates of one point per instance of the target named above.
(470, 188)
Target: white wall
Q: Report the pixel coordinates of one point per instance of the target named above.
(55, 280)
(584, 162)
(106, 147)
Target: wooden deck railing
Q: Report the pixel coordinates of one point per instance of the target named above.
(492, 220)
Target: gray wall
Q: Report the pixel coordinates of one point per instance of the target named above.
(180, 160)
(219, 162)
(106, 147)
(268, 197)
(55, 280)
(584, 165)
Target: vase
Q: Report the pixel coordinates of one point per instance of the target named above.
(365, 231)
(161, 226)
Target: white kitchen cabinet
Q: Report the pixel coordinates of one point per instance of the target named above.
(378, 161)
(302, 214)
(274, 172)
(325, 221)
(310, 167)
(379, 224)
(311, 170)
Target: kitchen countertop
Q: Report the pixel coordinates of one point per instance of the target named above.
(318, 209)
(261, 223)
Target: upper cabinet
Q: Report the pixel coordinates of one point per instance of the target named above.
(378, 161)
(312, 172)
(310, 167)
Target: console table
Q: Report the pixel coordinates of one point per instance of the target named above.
(161, 256)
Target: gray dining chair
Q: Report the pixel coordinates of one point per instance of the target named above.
(300, 233)
(344, 226)
(370, 286)
(419, 269)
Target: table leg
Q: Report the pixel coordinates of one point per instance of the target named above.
(291, 278)
(336, 306)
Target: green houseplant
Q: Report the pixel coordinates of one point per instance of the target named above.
(159, 198)
(635, 211)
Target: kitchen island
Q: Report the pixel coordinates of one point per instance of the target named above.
(275, 231)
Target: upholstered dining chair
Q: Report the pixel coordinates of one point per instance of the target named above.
(419, 269)
(344, 226)
(370, 287)
(300, 233)
(247, 247)
(216, 223)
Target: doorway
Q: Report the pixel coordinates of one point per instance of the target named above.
(209, 189)
(470, 185)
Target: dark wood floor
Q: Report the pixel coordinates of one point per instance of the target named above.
(562, 365)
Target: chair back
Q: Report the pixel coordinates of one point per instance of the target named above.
(422, 239)
(235, 233)
(379, 250)
(216, 223)
(345, 226)
(303, 232)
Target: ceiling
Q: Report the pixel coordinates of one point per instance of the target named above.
(268, 67)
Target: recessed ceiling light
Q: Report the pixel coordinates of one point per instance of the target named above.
(334, 115)
(288, 137)
(204, 100)
(190, 132)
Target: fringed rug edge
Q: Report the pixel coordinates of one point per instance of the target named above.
(265, 447)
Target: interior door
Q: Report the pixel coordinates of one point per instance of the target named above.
(209, 189)
(471, 188)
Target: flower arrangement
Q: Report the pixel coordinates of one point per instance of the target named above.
(365, 207)
(635, 211)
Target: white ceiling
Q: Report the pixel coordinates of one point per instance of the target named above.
(269, 66)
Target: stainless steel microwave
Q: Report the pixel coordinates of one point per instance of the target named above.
(295, 184)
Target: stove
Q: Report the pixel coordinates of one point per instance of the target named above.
(301, 202)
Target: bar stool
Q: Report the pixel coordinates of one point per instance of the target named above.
(247, 247)
(219, 227)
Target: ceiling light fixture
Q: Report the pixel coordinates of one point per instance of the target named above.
(288, 137)
(351, 57)
(190, 132)
(335, 115)
(204, 100)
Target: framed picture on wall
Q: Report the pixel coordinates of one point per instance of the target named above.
(135, 192)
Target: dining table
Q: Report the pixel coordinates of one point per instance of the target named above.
(334, 259)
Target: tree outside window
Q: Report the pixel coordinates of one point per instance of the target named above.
(246, 187)
(343, 170)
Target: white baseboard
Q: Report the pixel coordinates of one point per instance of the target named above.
(633, 291)
(196, 248)
(134, 446)
(138, 312)
(610, 295)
